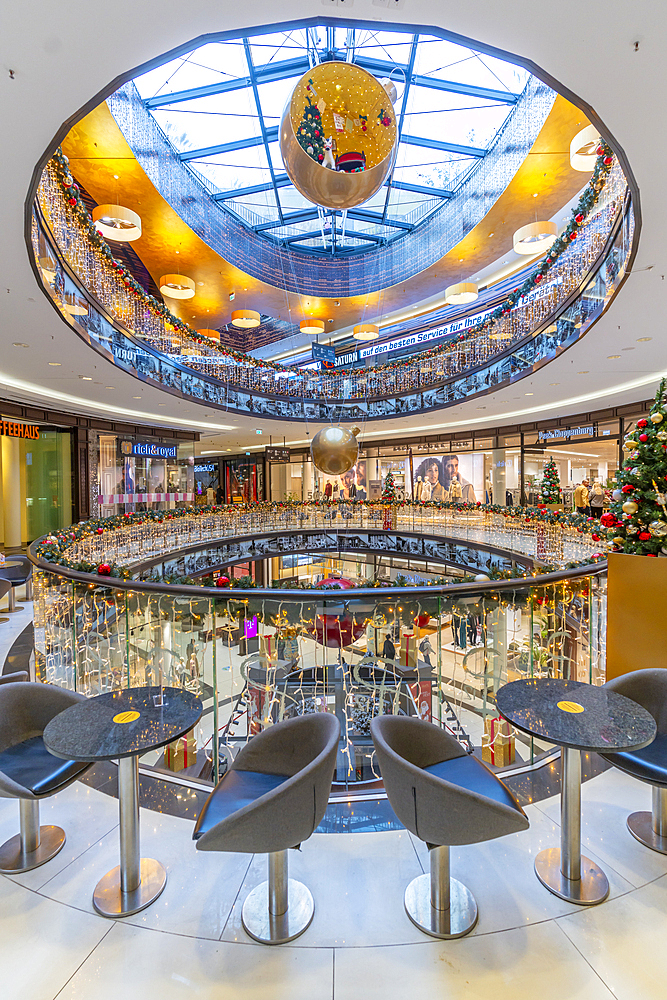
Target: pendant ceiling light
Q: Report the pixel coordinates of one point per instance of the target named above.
(461, 293)
(117, 223)
(177, 286)
(245, 319)
(313, 326)
(583, 148)
(536, 237)
(366, 331)
(211, 334)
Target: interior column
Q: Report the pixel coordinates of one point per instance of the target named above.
(11, 492)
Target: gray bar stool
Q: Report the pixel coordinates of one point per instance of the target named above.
(271, 799)
(18, 575)
(28, 772)
(649, 689)
(6, 590)
(446, 798)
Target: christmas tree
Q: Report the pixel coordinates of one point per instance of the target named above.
(637, 521)
(389, 491)
(310, 134)
(550, 491)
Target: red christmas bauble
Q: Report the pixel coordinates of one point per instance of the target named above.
(573, 234)
(600, 150)
(321, 156)
(642, 423)
(596, 538)
(100, 531)
(607, 161)
(643, 438)
(422, 620)
(579, 218)
(317, 132)
(72, 201)
(644, 536)
(628, 488)
(104, 569)
(222, 581)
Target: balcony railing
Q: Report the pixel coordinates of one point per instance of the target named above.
(92, 297)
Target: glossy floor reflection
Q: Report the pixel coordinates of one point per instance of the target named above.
(361, 944)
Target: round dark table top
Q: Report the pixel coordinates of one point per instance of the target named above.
(576, 715)
(122, 723)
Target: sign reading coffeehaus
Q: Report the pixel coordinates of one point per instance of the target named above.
(10, 428)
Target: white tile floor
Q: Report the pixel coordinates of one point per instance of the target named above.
(361, 945)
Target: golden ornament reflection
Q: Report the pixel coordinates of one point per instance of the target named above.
(334, 450)
(353, 106)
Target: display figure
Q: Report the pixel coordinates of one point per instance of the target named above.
(388, 649)
(328, 490)
(455, 491)
(418, 489)
(425, 648)
(425, 492)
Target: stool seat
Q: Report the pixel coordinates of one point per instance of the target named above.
(31, 765)
(236, 790)
(470, 773)
(649, 764)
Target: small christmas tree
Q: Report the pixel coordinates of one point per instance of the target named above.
(550, 490)
(389, 491)
(637, 521)
(310, 134)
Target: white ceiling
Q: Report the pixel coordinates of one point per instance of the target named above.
(60, 60)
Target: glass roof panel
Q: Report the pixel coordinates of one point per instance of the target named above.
(226, 113)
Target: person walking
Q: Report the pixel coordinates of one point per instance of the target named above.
(596, 500)
(581, 498)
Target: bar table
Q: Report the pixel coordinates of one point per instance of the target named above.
(578, 717)
(123, 725)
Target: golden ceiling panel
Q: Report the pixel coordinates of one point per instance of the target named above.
(98, 153)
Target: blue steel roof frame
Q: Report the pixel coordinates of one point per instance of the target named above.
(283, 69)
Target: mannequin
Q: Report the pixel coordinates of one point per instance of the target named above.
(328, 489)
(455, 491)
(418, 489)
(425, 492)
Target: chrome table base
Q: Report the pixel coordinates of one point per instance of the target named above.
(14, 858)
(591, 888)
(454, 922)
(135, 882)
(277, 928)
(110, 901)
(641, 826)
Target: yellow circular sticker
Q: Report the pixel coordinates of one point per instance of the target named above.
(571, 706)
(124, 717)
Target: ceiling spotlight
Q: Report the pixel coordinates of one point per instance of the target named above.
(583, 148)
(86, 378)
(313, 326)
(117, 223)
(640, 340)
(55, 364)
(245, 319)
(536, 237)
(177, 286)
(612, 357)
(366, 331)
(20, 345)
(461, 293)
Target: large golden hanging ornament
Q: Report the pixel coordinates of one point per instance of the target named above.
(343, 103)
(334, 450)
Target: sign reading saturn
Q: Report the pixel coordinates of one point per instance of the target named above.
(338, 135)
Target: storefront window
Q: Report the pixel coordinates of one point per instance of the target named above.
(144, 475)
(46, 464)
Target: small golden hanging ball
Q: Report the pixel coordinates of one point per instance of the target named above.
(630, 507)
(334, 450)
(656, 418)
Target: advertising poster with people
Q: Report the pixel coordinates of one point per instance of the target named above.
(353, 483)
(449, 477)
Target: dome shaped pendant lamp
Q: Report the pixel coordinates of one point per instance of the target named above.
(117, 223)
(312, 326)
(366, 331)
(245, 319)
(536, 237)
(461, 293)
(583, 148)
(177, 286)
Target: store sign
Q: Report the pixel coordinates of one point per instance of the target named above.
(9, 428)
(277, 454)
(350, 358)
(205, 467)
(566, 433)
(416, 339)
(148, 449)
(323, 353)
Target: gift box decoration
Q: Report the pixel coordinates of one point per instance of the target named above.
(291, 651)
(408, 651)
(181, 753)
(498, 742)
(268, 646)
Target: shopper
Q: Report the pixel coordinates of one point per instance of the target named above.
(425, 648)
(581, 498)
(596, 500)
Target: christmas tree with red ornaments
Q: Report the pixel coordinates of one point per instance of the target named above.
(637, 521)
(389, 492)
(310, 134)
(550, 488)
